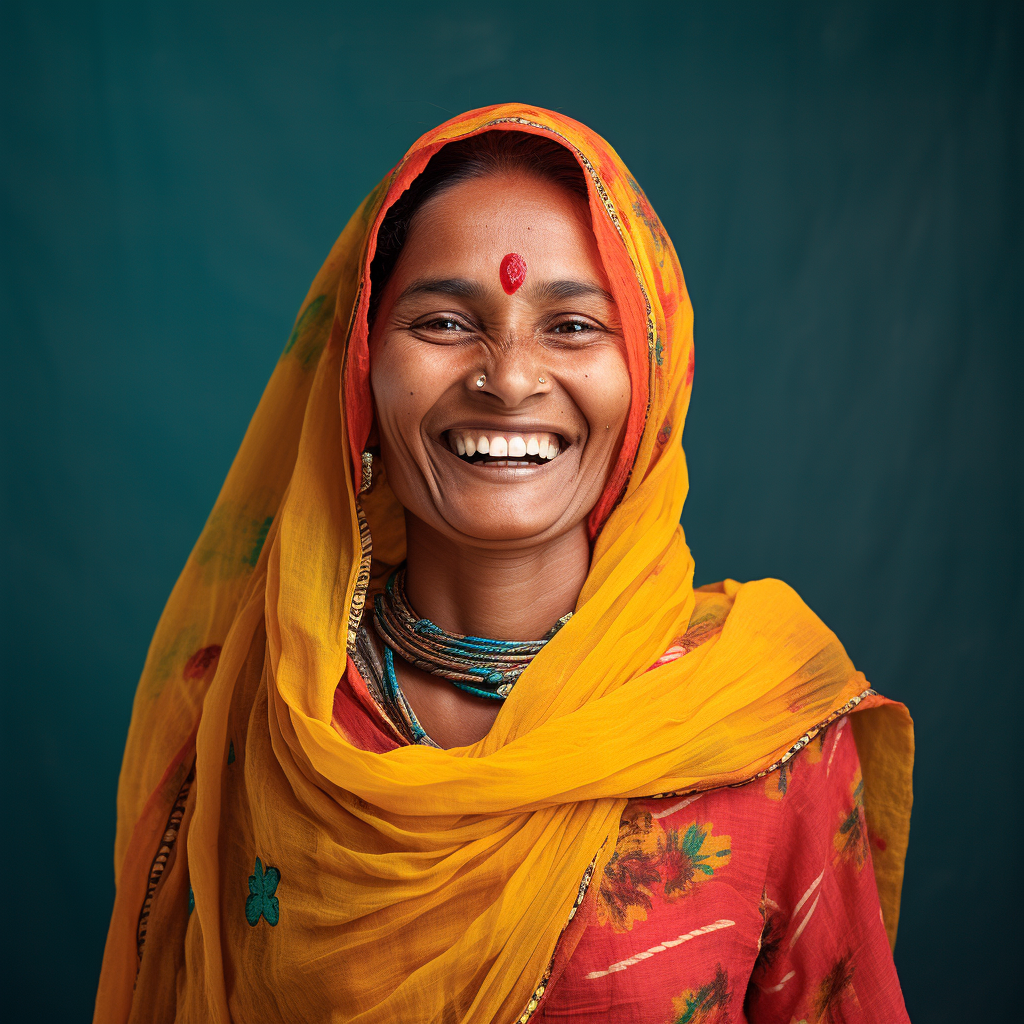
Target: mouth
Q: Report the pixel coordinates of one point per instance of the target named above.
(504, 449)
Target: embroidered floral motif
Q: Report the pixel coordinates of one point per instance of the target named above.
(851, 840)
(699, 632)
(309, 334)
(625, 893)
(648, 860)
(202, 663)
(771, 930)
(687, 859)
(776, 785)
(262, 901)
(229, 546)
(643, 209)
(708, 1004)
(835, 989)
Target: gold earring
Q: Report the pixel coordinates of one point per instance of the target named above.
(481, 380)
(367, 472)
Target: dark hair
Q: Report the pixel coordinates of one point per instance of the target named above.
(493, 152)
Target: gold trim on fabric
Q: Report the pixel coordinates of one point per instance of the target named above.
(538, 992)
(158, 865)
(809, 735)
(795, 749)
(355, 614)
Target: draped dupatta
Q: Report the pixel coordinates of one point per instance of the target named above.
(331, 882)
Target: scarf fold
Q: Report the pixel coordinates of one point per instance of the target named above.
(330, 882)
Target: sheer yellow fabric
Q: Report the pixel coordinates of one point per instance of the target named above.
(424, 884)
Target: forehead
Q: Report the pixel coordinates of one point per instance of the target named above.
(473, 225)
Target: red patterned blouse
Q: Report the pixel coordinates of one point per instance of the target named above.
(752, 904)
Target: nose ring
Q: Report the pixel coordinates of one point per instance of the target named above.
(481, 380)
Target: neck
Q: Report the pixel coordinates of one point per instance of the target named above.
(511, 594)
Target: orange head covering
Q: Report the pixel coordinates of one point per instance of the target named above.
(334, 882)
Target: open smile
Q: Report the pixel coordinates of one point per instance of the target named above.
(503, 449)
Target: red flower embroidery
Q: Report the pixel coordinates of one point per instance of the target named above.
(202, 662)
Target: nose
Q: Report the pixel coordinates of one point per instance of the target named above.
(512, 373)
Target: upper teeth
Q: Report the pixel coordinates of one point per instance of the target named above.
(504, 446)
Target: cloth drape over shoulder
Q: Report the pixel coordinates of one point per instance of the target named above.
(312, 879)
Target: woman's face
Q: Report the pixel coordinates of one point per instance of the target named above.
(499, 415)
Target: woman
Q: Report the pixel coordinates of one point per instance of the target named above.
(434, 726)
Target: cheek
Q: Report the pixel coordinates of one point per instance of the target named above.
(389, 375)
(603, 396)
(402, 389)
(397, 412)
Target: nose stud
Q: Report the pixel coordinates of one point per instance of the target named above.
(542, 380)
(481, 380)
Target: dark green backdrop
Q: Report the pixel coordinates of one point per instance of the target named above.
(843, 184)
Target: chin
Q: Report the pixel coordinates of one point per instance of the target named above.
(500, 527)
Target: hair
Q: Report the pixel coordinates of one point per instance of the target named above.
(493, 152)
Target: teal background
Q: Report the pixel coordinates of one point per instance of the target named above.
(843, 184)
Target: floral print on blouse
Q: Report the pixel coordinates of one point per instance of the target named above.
(754, 904)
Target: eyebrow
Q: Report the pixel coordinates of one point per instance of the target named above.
(571, 290)
(463, 288)
(457, 286)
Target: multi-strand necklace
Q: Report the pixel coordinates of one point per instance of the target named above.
(476, 664)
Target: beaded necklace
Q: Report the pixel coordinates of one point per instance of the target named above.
(475, 664)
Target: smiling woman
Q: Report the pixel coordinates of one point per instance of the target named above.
(467, 709)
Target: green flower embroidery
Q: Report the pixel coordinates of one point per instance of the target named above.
(262, 901)
(303, 323)
(686, 859)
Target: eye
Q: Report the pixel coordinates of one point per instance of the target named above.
(573, 327)
(443, 323)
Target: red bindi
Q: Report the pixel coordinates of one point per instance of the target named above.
(512, 271)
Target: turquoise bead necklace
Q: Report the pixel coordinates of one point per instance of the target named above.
(478, 665)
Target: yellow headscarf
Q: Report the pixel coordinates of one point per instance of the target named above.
(330, 882)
